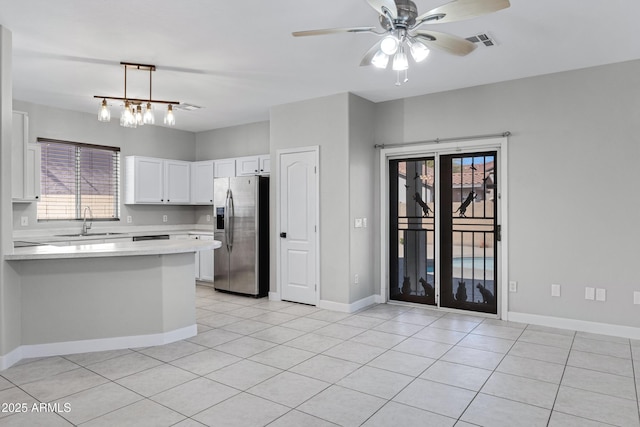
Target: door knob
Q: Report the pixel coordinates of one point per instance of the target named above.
(283, 235)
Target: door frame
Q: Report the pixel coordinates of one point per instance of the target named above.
(315, 150)
(456, 147)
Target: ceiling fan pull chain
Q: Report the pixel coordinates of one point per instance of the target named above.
(406, 75)
(398, 78)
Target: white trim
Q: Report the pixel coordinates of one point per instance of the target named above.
(576, 325)
(315, 149)
(274, 296)
(101, 344)
(350, 308)
(433, 148)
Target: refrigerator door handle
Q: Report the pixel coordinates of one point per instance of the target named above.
(226, 222)
(232, 217)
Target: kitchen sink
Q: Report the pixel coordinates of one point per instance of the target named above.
(89, 235)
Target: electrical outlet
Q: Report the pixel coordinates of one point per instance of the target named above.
(129, 219)
(358, 223)
(636, 297)
(513, 286)
(555, 290)
(24, 221)
(208, 218)
(589, 293)
(364, 222)
(165, 218)
(601, 294)
(356, 278)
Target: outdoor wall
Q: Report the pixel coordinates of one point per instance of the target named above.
(150, 141)
(362, 188)
(320, 122)
(572, 199)
(234, 141)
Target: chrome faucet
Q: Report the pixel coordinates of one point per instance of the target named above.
(86, 227)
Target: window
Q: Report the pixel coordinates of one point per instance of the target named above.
(74, 176)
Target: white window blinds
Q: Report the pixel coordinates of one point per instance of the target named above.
(74, 176)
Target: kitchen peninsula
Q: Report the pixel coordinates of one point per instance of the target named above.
(92, 297)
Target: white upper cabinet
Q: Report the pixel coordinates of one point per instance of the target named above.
(177, 179)
(265, 164)
(224, 168)
(25, 161)
(156, 181)
(247, 166)
(202, 182)
(253, 165)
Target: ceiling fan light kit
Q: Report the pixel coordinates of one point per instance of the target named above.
(131, 114)
(400, 21)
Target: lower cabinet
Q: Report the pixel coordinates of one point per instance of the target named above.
(204, 260)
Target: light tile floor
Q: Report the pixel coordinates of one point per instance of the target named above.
(256, 362)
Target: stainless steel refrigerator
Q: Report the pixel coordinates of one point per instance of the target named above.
(241, 206)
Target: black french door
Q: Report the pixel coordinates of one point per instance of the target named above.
(465, 246)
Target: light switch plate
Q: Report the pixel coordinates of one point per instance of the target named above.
(601, 294)
(555, 290)
(358, 223)
(590, 293)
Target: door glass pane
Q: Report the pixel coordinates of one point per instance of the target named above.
(412, 214)
(469, 236)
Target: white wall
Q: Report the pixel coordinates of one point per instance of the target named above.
(320, 122)
(362, 190)
(10, 293)
(573, 160)
(234, 141)
(152, 141)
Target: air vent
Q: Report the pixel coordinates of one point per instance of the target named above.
(186, 107)
(484, 39)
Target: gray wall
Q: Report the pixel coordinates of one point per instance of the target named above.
(362, 190)
(573, 204)
(235, 141)
(321, 122)
(151, 141)
(10, 293)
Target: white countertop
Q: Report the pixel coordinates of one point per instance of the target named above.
(98, 250)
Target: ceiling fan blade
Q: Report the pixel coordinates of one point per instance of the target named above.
(366, 59)
(384, 7)
(333, 31)
(459, 10)
(447, 42)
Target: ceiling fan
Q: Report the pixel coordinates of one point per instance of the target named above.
(400, 22)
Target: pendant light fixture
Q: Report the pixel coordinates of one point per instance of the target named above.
(132, 114)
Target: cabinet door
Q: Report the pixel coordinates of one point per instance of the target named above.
(265, 165)
(177, 182)
(206, 261)
(202, 183)
(146, 176)
(32, 160)
(224, 168)
(247, 166)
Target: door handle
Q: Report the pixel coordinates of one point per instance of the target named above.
(283, 235)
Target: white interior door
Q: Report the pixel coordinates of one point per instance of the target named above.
(298, 208)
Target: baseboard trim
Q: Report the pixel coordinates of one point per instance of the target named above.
(274, 296)
(350, 308)
(576, 325)
(87, 346)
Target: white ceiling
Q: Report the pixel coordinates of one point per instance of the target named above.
(237, 59)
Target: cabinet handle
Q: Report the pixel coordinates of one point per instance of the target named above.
(168, 200)
(162, 200)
